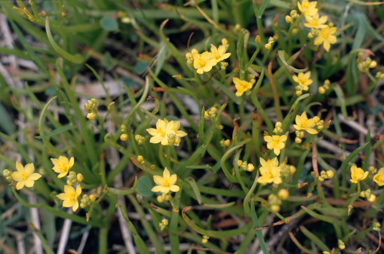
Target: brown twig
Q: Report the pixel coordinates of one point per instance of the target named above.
(314, 159)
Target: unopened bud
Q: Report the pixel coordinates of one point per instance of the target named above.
(275, 208)
(341, 244)
(371, 198)
(91, 116)
(79, 177)
(124, 137)
(283, 194)
(250, 167)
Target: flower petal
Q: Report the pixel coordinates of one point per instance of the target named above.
(174, 188)
(17, 176)
(19, 185)
(34, 176)
(19, 167)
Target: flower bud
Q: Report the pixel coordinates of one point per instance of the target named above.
(295, 31)
(293, 13)
(283, 194)
(189, 56)
(90, 105)
(237, 27)
(223, 65)
(160, 199)
(194, 51)
(91, 116)
(322, 90)
(268, 46)
(140, 158)
(341, 244)
(124, 137)
(179, 77)
(79, 177)
(205, 239)
(275, 208)
(288, 19)
(376, 226)
(371, 198)
(250, 167)
(92, 198)
(298, 140)
(239, 163)
(257, 39)
(7, 172)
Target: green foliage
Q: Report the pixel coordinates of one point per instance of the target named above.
(213, 91)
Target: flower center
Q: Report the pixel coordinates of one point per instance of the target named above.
(201, 62)
(62, 165)
(24, 175)
(166, 183)
(72, 196)
(325, 36)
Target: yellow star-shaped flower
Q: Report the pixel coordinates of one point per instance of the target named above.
(241, 86)
(275, 142)
(326, 37)
(204, 62)
(70, 196)
(25, 176)
(303, 123)
(165, 183)
(307, 8)
(358, 174)
(379, 177)
(303, 79)
(62, 165)
(270, 172)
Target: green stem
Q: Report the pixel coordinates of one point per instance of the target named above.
(103, 239)
(173, 237)
(147, 226)
(59, 213)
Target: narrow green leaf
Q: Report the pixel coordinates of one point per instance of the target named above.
(57, 131)
(256, 224)
(282, 54)
(262, 7)
(6, 123)
(73, 58)
(195, 188)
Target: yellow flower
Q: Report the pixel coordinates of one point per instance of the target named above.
(316, 22)
(70, 196)
(307, 8)
(219, 53)
(179, 134)
(270, 172)
(25, 176)
(241, 86)
(275, 142)
(62, 165)
(303, 79)
(204, 62)
(163, 130)
(165, 183)
(358, 174)
(303, 123)
(379, 177)
(326, 37)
